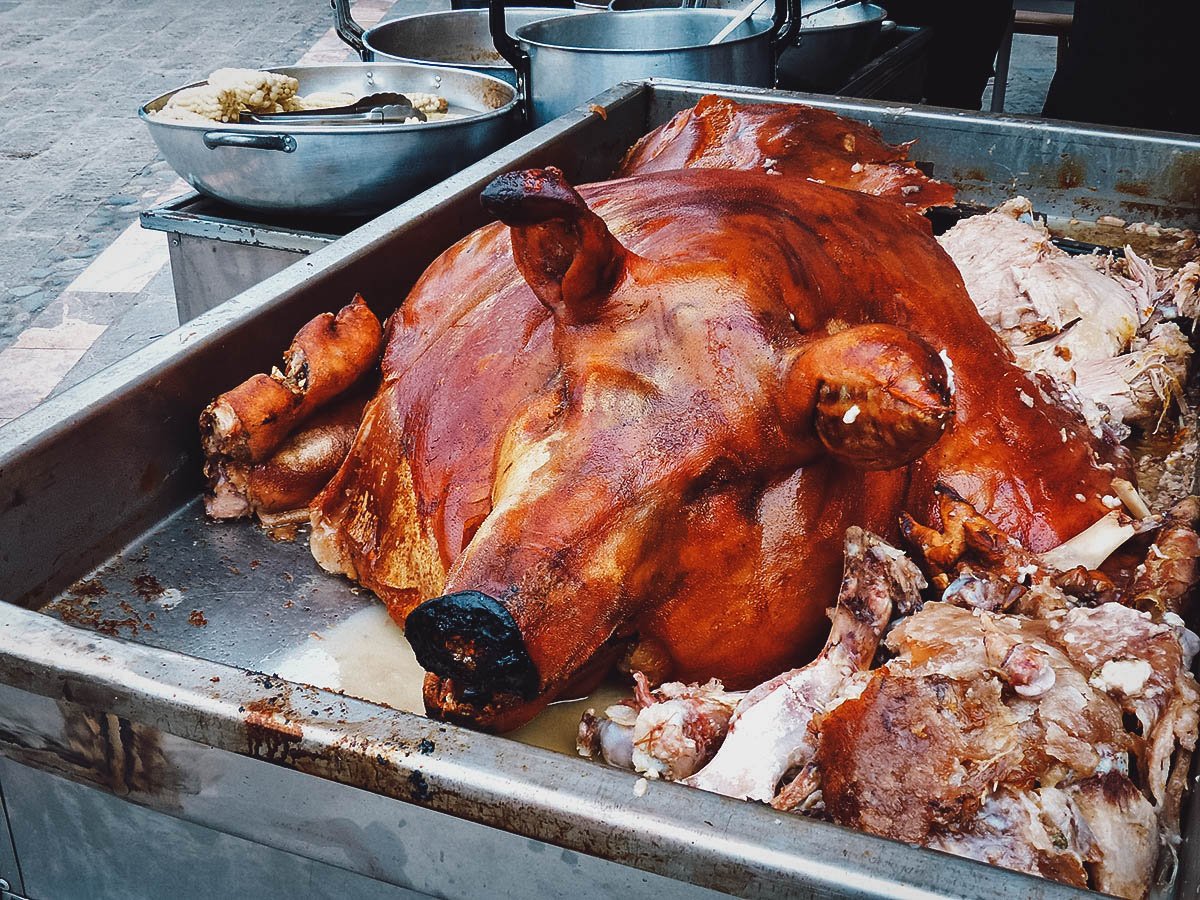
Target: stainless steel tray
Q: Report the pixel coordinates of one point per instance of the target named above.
(143, 698)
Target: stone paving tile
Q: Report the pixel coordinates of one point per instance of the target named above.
(148, 316)
(71, 75)
(128, 264)
(69, 334)
(27, 376)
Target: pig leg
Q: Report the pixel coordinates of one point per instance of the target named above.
(328, 356)
(294, 474)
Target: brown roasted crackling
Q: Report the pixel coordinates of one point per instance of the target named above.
(802, 142)
(327, 357)
(646, 411)
(290, 477)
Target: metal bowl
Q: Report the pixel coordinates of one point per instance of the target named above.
(342, 169)
(764, 12)
(570, 59)
(458, 38)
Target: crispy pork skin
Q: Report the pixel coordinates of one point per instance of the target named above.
(647, 410)
(802, 142)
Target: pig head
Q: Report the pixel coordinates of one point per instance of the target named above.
(641, 428)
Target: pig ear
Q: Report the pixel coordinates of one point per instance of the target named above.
(563, 249)
(875, 396)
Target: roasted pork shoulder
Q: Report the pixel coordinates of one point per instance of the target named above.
(646, 412)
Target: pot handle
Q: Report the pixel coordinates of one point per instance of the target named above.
(511, 50)
(348, 30)
(284, 143)
(785, 22)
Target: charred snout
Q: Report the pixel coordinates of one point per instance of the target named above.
(472, 639)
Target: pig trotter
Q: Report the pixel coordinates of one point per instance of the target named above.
(471, 638)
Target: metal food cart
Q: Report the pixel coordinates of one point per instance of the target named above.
(146, 739)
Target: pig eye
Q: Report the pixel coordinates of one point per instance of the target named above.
(717, 477)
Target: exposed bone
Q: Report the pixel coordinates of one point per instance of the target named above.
(770, 732)
(1092, 546)
(665, 733)
(1131, 498)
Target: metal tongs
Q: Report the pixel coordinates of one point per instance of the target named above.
(385, 108)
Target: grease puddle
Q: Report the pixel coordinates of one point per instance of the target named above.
(366, 655)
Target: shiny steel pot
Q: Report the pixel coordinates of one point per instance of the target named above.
(635, 5)
(458, 38)
(342, 169)
(764, 12)
(830, 45)
(563, 62)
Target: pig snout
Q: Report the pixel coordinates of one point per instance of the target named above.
(471, 638)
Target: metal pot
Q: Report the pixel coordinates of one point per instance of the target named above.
(342, 169)
(562, 62)
(636, 5)
(764, 12)
(830, 45)
(458, 38)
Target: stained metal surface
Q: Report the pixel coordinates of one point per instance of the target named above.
(218, 251)
(146, 694)
(206, 272)
(11, 879)
(107, 475)
(214, 590)
(85, 825)
(198, 216)
(319, 824)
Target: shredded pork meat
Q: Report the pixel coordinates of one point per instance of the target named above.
(1031, 714)
(1099, 326)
